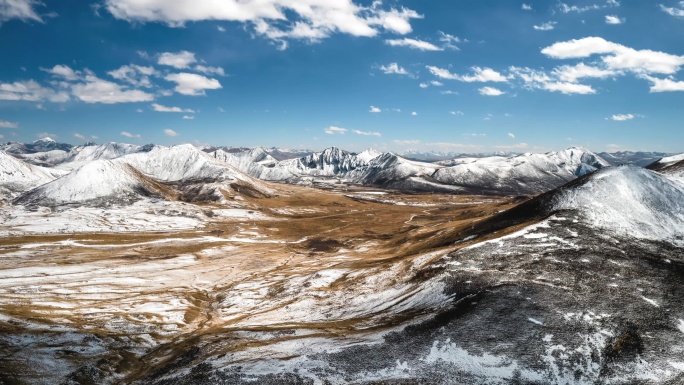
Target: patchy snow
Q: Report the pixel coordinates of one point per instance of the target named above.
(630, 200)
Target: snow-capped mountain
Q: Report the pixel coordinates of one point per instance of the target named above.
(111, 150)
(395, 172)
(522, 174)
(665, 162)
(637, 158)
(46, 158)
(199, 175)
(18, 176)
(328, 163)
(99, 183)
(40, 145)
(244, 161)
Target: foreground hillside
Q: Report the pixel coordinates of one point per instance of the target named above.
(579, 285)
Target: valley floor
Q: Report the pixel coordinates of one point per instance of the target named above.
(248, 286)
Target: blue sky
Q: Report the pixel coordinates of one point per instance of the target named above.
(449, 75)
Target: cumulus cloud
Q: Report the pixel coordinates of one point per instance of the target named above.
(548, 26)
(674, 11)
(413, 43)
(526, 7)
(188, 117)
(180, 60)
(133, 74)
(367, 133)
(19, 9)
(414, 113)
(479, 75)
(622, 117)
(277, 20)
(129, 135)
(8, 124)
(490, 91)
(31, 91)
(664, 85)
(394, 68)
(616, 56)
(96, 90)
(332, 130)
(374, 109)
(160, 108)
(612, 19)
(192, 84)
(569, 88)
(62, 71)
(210, 70)
(565, 8)
(170, 132)
(580, 71)
(450, 41)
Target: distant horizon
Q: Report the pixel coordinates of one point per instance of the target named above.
(295, 149)
(457, 76)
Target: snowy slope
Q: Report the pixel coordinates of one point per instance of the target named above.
(637, 158)
(368, 155)
(523, 174)
(630, 200)
(665, 162)
(247, 165)
(388, 168)
(100, 182)
(328, 163)
(19, 176)
(199, 174)
(78, 156)
(45, 158)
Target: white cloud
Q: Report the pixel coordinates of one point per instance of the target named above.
(374, 109)
(511, 135)
(475, 135)
(672, 11)
(188, 117)
(569, 88)
(526, 7)
(442, 73)
(413, 43)
(180, 60)
(433, 83)
(612, 19)
(96, 90)
(129, 135)
(548, 26)
(450, 41)
(274, 19)
(160, 108)
(332, 130)
(448, 92)
(482, 75)
(479, 75)
(490, 91)
(622, 117)
(394, 68)
(133, 74)
(591, 7)
(616, 56)
(221, 109)
(581, 70)
(43, 135)
(31, 91)
(192, 84)
(457, 113)
(8, 124)
(367, 133)
(79, 136)
(210, 70)
(220, 29)
(414, 113)
(170, 132)
(664, 85)
(139, 110)
(62, 71)
(19, 9)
